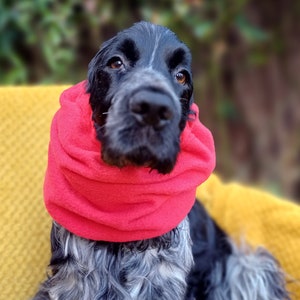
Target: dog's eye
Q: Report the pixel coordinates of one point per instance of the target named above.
(115, 63)
(181, 77)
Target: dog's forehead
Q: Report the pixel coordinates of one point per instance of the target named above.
(153, 42)
(146, 34)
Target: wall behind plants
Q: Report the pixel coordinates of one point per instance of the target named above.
(246, 68)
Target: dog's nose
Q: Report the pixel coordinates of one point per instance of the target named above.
(152, 108)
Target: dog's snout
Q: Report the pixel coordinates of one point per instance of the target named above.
(152, 108)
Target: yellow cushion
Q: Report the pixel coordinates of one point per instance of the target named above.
(25, 118)
(259, 218)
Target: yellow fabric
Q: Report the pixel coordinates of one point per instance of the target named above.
(25, 117)
(259, 218)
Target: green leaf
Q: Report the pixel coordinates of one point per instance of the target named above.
(203, 30)
(251, 33)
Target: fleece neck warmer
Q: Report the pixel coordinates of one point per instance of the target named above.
(101, 202)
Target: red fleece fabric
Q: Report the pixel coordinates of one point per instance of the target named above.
(101, 202)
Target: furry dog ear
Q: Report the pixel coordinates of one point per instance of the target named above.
(187, 99)
(190, 97)
(99, 81)
(98, 61)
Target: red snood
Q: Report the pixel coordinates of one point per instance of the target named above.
(101, 202)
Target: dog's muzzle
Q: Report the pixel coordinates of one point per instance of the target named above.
(142, 126)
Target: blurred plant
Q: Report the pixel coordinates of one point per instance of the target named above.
(234, 43)
(40, 40)
(39, 37)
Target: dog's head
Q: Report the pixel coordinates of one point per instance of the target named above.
(140, 87)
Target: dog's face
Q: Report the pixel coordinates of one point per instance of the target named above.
(140, 87)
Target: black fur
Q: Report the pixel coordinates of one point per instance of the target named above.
(210, 247)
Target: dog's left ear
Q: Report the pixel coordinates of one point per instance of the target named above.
(191, 101)
(188, 92)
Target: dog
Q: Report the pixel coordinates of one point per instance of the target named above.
(141, 93)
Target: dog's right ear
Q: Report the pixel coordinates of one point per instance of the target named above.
(99, 81)
(98, 61)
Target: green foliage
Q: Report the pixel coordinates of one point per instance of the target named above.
(251, 34)
(37, 37)
(40, 39)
